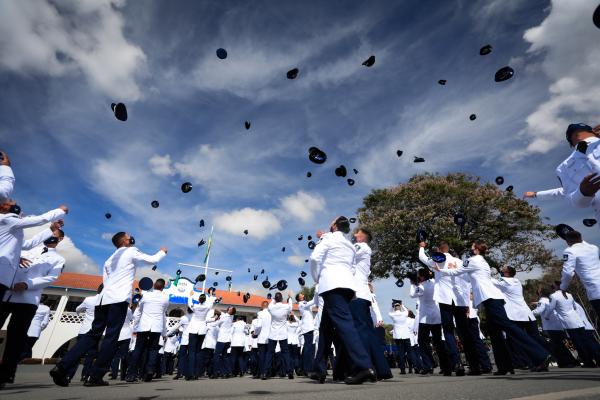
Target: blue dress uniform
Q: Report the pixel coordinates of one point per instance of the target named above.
(332, 268)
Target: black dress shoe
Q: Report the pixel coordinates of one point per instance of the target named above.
(255, 376)
(59, 376)
(177, 377)
(402, 372)
(501, 372)
(318, 377)
(428, 371)
(263, 377)
(291, 375)
(94, 381)
(474, 372)
(131, 379)
(486, 370)
(360, 377)
(460, 371)
(543, 366)
(383, 377)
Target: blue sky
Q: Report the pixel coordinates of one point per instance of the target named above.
(66, 61)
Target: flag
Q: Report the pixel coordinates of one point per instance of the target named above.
(208, 247)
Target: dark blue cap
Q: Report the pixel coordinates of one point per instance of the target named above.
(574, 128)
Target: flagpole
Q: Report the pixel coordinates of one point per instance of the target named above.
(207, 258)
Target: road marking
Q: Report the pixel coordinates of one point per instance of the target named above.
(568, 394)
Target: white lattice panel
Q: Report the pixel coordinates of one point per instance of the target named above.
(71, 318)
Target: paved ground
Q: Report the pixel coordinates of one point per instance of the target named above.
(583, 384)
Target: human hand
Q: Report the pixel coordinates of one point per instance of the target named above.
(423, 244)
(4, 160)
(23, 262)
(529, 195)
(164, 249)
(64, 208)
(590, 185)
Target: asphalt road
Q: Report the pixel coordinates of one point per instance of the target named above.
(583, 384)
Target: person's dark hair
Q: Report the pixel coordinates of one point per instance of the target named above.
(292, 318)
(233, 310)
(298, 297)
(117, 239)
(481, 246)
(202, 298)
(411, 314)
(342, 224)
(100, 288)
(189, 310)
(159, 284)
(424, 273)
(442, 243)
(43, 299)
(511, 271)
(367, 233)
(573, 237)
(264, 303)
(545, 291)
(278, 297)
(61, 233)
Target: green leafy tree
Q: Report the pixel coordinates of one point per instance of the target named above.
(308, 292)
(512, 227)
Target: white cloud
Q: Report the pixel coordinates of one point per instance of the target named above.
(107, 236)
(259, 223)
(161, 165)
(569, 43)
(75, 259)
(296, 260)
(302, 205)
(143, 272)
(66, 37)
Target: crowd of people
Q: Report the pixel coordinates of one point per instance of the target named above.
(341, 328)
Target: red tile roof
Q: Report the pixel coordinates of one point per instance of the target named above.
(72, 280)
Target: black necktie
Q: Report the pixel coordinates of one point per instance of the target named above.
(45, 250)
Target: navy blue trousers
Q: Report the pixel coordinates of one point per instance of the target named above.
(108, 319)
(361, 313)
(237, 361)
(596, 305)
(145, 343)
(460, 315)
(120, 359)
(182, 360)
(585, 349)
(262, 355)
(424, 345)
(498, 322)
(221, 359)
(308, 352)
(16, 336)
(194, 357)
(337, 318)
(284, 354)
(559, 351)
(482, 351)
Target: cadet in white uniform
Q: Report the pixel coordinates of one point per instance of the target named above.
(12, 243)
(492, 299)
(519, 312)
(120, 359)
(564, 304)
(583, 259)
(293, 330)
(197, 332)
(452, 295)
(262, 329)
(221, 365)
(150, 324)
(400, 334)
(38, 324)
(332, 268)
(239, 330)
(181, 330)
(21, 302)
(578, 172)
(430, 323)
(307, 329)
(111, 310)
(552, 326)
(210, 341)
(360, 306)
(278, 335)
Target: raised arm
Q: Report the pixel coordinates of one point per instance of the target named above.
(376, 310)
(539, 309)
(36, 240)
(416, 291)
(140, 258)
(36, 220)
(423, 257)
